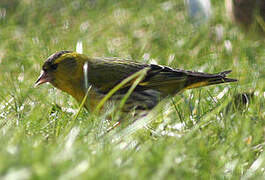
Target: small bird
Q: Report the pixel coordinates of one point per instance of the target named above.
(64, 70)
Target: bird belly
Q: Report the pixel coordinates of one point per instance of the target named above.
(138, 100)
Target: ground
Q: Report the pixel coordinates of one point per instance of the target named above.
(201, 134)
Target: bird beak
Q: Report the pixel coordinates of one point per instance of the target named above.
(43, 78)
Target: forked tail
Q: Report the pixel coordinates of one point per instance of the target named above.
(196, 79)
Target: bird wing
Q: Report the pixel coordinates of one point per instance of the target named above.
(106, 73)
(170, 81)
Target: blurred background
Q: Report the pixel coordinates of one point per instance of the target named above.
(170, 32)
(201, 35)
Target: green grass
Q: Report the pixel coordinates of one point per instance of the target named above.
(199, 134)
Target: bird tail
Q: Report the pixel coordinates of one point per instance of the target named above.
(196, 79)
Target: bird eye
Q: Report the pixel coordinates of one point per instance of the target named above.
(54, 66)
(44, 68)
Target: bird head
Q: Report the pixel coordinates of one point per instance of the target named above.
(64, 70)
